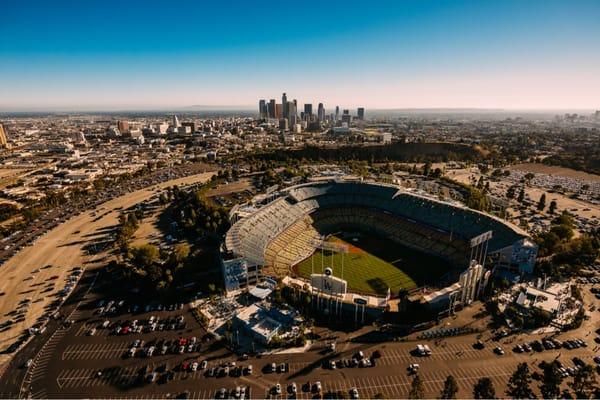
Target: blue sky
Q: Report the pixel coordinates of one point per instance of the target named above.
(396, 54)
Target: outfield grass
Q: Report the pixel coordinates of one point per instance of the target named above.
(364, 271)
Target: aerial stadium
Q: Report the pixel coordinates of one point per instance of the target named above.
(363, 242)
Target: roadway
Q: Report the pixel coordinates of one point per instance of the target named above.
(24, 275)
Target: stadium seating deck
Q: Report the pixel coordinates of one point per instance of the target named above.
(283, 232)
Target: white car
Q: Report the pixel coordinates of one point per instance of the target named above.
(317, 387)
(354, 393)
(293, 388)
(150, 351)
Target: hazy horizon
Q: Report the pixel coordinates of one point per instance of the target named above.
(151, 55)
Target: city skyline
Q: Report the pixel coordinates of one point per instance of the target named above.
(510, 55)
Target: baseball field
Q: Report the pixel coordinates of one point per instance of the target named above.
(372, 265)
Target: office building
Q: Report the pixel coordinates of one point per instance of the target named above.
(283, 124)
(346, 117)
(3, 138)
(190, 125)
(321, 112)
(271, 108)
(361, 113)
(290, 109)
(123, 127)
(307, 110)
(278, 111)
(284, 103)
(176, 123)
(337, 112)
(262, 109)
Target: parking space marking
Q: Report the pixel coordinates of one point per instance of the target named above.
(76, 378)
(95, 351)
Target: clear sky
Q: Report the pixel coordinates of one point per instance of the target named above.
(105, 54)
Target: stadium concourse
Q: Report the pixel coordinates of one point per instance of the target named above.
(269, 238)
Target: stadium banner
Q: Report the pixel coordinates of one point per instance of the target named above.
(477, 240)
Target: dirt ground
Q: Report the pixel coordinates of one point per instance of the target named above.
(62, 248)
(582, 208)
(552, 170)
(10, 172)
(230, 188)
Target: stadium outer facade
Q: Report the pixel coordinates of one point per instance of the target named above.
(267, 238)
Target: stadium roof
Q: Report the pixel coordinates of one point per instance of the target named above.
(250, 236)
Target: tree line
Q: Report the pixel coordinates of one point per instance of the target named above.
(519, 386)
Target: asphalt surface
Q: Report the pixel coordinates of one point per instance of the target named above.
(39, 272)
(67, 361)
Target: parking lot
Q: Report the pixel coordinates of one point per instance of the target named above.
(50, 259)
(77, 362)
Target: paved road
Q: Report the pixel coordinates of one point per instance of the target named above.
(67, 365)
(62, 248)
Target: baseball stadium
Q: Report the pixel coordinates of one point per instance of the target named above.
(378, 238)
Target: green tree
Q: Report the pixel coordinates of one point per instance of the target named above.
(450, 388)
(519, 383)
(584, 382)
(551, 380)
(181, 251)
(427, 169)
(529, 176)
(484, 389)
(145, 255)
(521, 197)
(542, 203)
(477, 200)
(552, 208)
(417, 390)
(510, 193)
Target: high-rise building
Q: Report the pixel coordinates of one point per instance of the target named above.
(307, 110)
(176, 123)
(262, 109)
(361, 113)
(283, 124)
(284, 103)
(290, 109)
(271, 109)
(337, 112)
(346, 117)
(321, 112)
(3, 138)
(278, 111)
(190, 125)
(123, 126)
